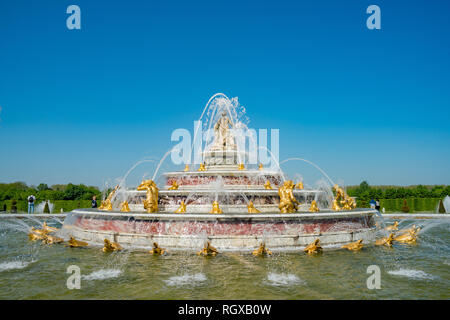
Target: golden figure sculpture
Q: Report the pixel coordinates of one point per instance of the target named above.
(260, 167)
(111, 246)
(299, 185)
(52, 239)
(288, 202)
(251, 208)
(107, 204)
(385, 241)
(76, 243)
(354, 246)
(151, 202)
(241, 166)
(314, 207)
(157, 251)
(342, 201)
(409, 236)
(267, 185)
(262, 250)
(186, 168)
(393, 227)
(174, 185)
(313, 247)
(124, 207)
(41, 232)
(216, 208)
(32, 236)
(208, 250)
(182, 208)
(202, 167)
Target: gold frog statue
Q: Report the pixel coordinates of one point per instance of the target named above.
(182, 208)
(174, 185)
(385, 241)
(393, 227)
(288, 202)
(124, 207)
(267, 185)
(208, 250)
(107, 204)
(216, 208)
(314, 207)
(251, 208)
(202, 167)
(409, 236)
(157, 251)
(354, 246)
(151, 202)
(262, 250)
(111, 246)
(76, 243)
(313, 247)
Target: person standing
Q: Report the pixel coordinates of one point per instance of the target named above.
(377, 205)
(372, 204)
(31, 200)
(94, 202)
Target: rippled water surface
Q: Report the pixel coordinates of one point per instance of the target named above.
(31, 270)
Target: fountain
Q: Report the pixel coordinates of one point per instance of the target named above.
(226, 202)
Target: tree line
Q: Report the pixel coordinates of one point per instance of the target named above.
(20, 191)
(365, 192)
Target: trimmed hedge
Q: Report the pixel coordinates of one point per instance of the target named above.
(66, 205)
(414, 204)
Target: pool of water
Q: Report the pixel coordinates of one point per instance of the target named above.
(32, 270)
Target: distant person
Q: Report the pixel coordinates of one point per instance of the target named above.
(372, 204)
(31, 200)
(94, 202)
(377, 205)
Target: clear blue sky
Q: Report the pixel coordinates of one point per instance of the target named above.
(83, 106)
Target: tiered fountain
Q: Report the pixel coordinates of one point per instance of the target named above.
(225, 201)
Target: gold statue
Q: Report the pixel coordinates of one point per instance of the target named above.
(125, 207)
(182, 208)
(151, 202)
(314, 207)
(106, 204)
(157, 250)
(174, 185)
(32, 236)
(111, 246)
(288, 202)
(260, 167)
(41, 232)
(267, 185)
(208, 250)
(76, 243)
(313, 247)
(299, 185)
(186, 168)
(202, 167)
(385, 241)
(409, 236)
(52, 239)
(342, 201)
(353, 246)
(393, 227)
(216, 208)
(241, 166)
(262, 250)
(251, 208)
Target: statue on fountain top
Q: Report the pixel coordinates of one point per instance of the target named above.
(223, 136)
